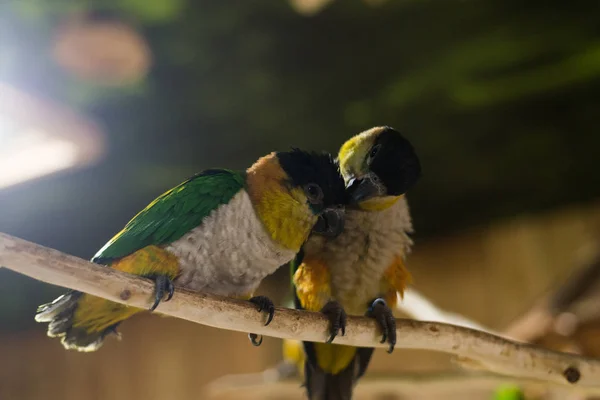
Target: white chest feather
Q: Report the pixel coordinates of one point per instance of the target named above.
(230, 253)
(358, 258)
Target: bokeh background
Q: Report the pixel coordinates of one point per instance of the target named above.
(500, 98)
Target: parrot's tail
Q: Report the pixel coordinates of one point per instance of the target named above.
(324, 386)
(82, 321)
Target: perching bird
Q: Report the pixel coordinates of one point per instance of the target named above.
(219, 232)
(362, 270)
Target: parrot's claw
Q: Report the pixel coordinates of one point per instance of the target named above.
(163, 285)
(337, 319)
(171, 291)
(264, 304)
(255, 339)
(384, 316)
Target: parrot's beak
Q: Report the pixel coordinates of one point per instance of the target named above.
(364, 188)
(330, 222)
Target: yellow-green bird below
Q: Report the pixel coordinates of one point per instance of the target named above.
(219, 232)
(361, 271)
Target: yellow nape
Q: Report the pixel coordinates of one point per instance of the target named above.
(95, 314)
(312, 282)
(284, 212)
(286, 216)
(379, 203)
(333, 358)
(353, 153)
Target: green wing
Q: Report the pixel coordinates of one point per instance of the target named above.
(174, 213)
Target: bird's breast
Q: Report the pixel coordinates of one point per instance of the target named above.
(359, 257)
(230, 252)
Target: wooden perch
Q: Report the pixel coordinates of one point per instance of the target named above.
(413, 304)
(575, 297)
(488, 351)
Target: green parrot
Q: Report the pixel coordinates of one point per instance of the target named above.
(362, 270)
(219, 232)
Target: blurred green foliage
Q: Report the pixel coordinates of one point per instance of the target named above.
(145, 12)
(500, 97)
(509, 392)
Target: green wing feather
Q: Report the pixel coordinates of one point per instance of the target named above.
(174, 213)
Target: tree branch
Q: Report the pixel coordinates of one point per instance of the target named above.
(576, 298)
(488, 351)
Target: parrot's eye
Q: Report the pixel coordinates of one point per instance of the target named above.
(314, 193)
(374, 151)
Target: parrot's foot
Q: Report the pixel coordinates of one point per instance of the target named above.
(163, 285)
(264, 304)
(384, 316)
(337, 319)
(255, 339)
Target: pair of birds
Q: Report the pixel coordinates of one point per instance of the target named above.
(343, 224)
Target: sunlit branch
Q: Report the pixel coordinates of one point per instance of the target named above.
(485, 350)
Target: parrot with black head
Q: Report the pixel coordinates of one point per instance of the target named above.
(219, 232)
(361, 271)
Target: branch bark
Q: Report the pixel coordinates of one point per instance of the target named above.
(572, 298)
(490, 352)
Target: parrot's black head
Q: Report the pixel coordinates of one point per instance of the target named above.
(378, 163)
(318, 177)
